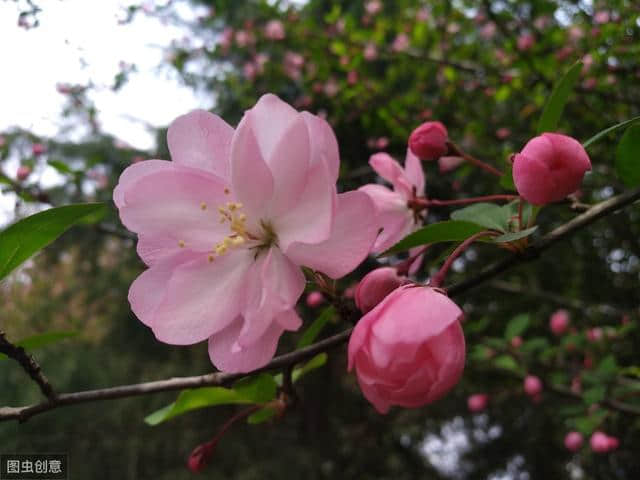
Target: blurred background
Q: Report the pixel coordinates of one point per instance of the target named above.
(87, 88)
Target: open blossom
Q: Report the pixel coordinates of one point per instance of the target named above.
(409, 350)
(274, 30)
(225, 227)
(392, 206)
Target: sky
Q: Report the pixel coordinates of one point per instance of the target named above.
(82, 42)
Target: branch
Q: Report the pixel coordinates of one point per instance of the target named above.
(221, 378)
(28, 364)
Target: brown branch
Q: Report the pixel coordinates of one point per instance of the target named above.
(220, 378)
(28, 364)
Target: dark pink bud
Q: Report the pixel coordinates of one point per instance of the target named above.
(376, 285)
(614, 443)
(429, 141)
(573, 441)
(23, 172)
(315, 299)
(594, 334)
(38, 148)
(477, 402)
(549, 167)
(200, 457)
(409, 350)
(516, 342)
(532, 385)
(599, 442)
(525, 41)
(559, 322)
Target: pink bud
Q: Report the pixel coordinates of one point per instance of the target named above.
(503, 132)
(477, 402)
(559, 322)
(274, 30)
(429, 141)
(352, 77)
(315, 299)
(370, 52)
(409, 350)
(400, 43)
(594, 334)
(200, 457)
(549, 168)
(573, 441)
(614, 443)
(516, 342)
(23, 172)
(38, 148)
(599, 442)
(376, 285)
(532, 385)
(525, 41)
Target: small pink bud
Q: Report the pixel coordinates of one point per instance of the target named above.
(503, 132)
(23, 172)
(532, 385)
(274, 30)
(594, 334)
(200, 456)
(599, 442)
(370, 52)
(477, 402)
(525, 42)
(352, 77)
(516, 342)
(38, 148)
(315, 299)
(559, 322)
(409, 350)
(382, 143)
(376, 285)
(549, 167)
(573, 441)
(429, 141)
(446, 164)
(614, 443)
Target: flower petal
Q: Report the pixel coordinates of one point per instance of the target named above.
(135, 172)
(414, 172)
(324, 145)
(225, 355)
(390, 170)
(201, 139)
(271, 119)
(352, 236)
(202, 298)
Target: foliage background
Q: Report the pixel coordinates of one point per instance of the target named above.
(464, 63)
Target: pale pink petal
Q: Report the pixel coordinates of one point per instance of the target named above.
(178, 204)
(414, 172)
(390, 170)
(324, 145)
(271, 119)
(202, 298)
(309, 220)
(155, 248)
(289, 320)
(225, 355)
(353, 233)
(135, 172)
(200, 139)
(251, 178)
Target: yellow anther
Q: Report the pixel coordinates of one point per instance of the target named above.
(242, 217)
(226, 191)
(223, 219)
(221, 249)
(210, 258)
(203, 206)
(232, 206)
(239, 205)
(222, 210)
(238, 241)
(227, 242)
(181, 243)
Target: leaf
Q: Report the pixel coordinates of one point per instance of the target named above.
(488, 215)
(513, 236)
(259, 389)
(22, 239)
(312, 332)
(506, 362)
(40, 340)
(586, 425)
(262, 415)
(628, 157)
(609, 130)
(61, 167)
(555, 105)
(516, 326)
(594, 395)
(316, 362)
(449, 231)
(537, 343)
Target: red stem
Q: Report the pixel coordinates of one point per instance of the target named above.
(454, 149)
(434, 202)
(438, 278)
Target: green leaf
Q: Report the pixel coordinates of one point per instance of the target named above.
(628, 157)
(40, 340)
(609, 130)
(586, 425)
(22, 239)
(259, 389)
(61, 167)
(449, 231)
(594, 395)
(488, 215)
(537, 343)
(555, 105)
(506, 362)
(516, 326)
(262, 415)
(312, 332)
(513, 236)
(316, 362)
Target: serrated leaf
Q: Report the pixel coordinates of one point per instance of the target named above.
(262, 415)
(488, 215)
(516, 326)
(609, 130)
(312, 332)
(40, 340)
(448, 231)
(628, 157)
(513, 236)
(555, 105)
(24, 238)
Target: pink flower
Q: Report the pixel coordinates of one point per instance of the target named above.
(477, 402)
(488, 30)
(315, 299)
(274, 30)
(409, 350)
(226, 38)
(594, 334)
(601, 17)
(525, 41)
(447, 164)
(38, 148)
(549, 168)
(559, 322)
(400, 43)
(225, 227)
(352, 77)
(392, 206)
(603, 443)
(503, 132)
(370, 52)
(573, 441)
(429, 141)
(373, 6)
(532, 385)
(23, 172)
(376, 285)
(331, 88)
(244, 38)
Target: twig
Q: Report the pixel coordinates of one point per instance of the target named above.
(28, 364)
(598, 211)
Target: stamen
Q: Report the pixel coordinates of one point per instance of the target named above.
(203, 206)
(226, 191)
(181, 243)
(210, 258)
